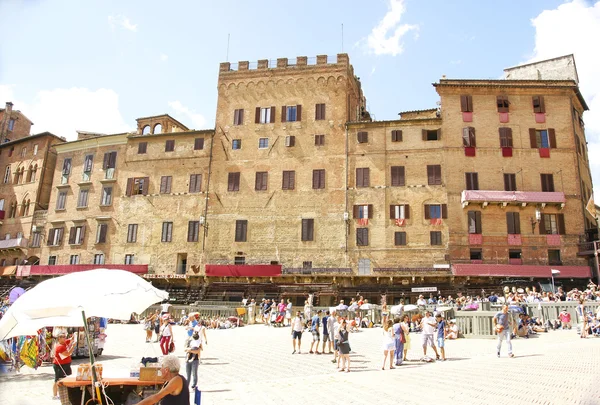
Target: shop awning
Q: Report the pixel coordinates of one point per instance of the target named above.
(73, 268)
(246, 270)
(510, 270)
(514, 197)
(8, 270)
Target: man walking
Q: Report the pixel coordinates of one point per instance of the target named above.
(314, 329)
(297, 331)
(441, 333)
(428, 326)
(503, 330)
(326, 330)
(331, 320)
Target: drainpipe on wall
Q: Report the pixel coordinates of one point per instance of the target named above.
(210, 158)
(346, 197)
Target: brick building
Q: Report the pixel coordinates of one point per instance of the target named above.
(297, 189)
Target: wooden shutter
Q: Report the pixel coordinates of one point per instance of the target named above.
(507, 186)
(532, 138)
(560, 219)
(502, 103)
(321, 178)
(256, 117)
(370, 210)
(437, 170)
(444, 211)
(317, 112)
(355, 211)
(406, 211)
(552, 138)
(477, 221)
(129, 188)
(199, 143)
(430, 175)
(241, 117)
(439, 134)
(543, 224)
(424, 134)
(427, 213)
(145, 185)
(272, 115)
(283, 113)
(89, 161)
(51, 237)
(298, 113)
(466, 103)
(230, 182)
(105, 161)
(517, 222)
(472, 140)
(397, 136)
(103, 229)
(392, 211)
(72, 235)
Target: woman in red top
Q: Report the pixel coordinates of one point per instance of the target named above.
(62, 361)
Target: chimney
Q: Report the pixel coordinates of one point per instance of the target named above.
(9, 107)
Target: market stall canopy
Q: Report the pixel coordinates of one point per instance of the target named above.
(60, 301)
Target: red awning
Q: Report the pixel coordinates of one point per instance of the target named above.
(73, 268)
(246, 270)
(512, 196)
(511, 270)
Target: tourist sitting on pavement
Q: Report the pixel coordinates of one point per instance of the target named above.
(452, 330)
(565, 319)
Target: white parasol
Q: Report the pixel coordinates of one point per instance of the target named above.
(366, 307)
(397, 309)
(410, 307)
(443, 309)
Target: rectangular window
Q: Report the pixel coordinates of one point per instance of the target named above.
(554, 257)
(55, 236)
(77, 235)
(469, 137)
(170, 145)
(362, 236)
(506, 140)
(264, 115)
(238, 117)
(52, 260)
(432, 134)
(474, 218)
(261, 181)
(142, 147)
(66, 167)
(23, 152)
(435, 238)
(362, 137)
(502, 104)
(82, 201)
(132, 233)
(289, 180)
(400, 211)
(10, 152)
(319, 140)
(513, 223)
(514, 254)
(165, 184)
(547, 182)
(106, 196)
(88, 163)
(11, 124)
(400, 238)
(7, 175)
(472, 181)
(195, 183)
(466, 103)
(61, 200)
(110, 161)
(552, 224)
(101, 233)
(510, 182)
(476, 254)
(290, 140)
(436, 211)
(538, 104)
(236, 144)
(239, 260)
(233, 181)
(99, 258)
(35, 239)
(291, 113)
(398, 178)
(167, 232)
(129, 259)
(263, 143)
(308, 229)
(319, 112)
(318, 179)
(397, 135)
(193, 231)
(198, 143)
(74, 259)
(35, 149)
(241, 230)
(434, 175)
(362, 211)
(362, 177)
(137, 186)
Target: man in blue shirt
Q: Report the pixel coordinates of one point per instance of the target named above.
(326, 338)
(314, 329)
(441, 333)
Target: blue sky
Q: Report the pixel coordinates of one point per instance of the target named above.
(99, 65)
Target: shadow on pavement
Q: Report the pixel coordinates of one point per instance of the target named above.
(27, 377)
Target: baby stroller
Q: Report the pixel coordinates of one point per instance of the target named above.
(278, 322)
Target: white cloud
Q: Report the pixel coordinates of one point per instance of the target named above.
(186, 114)
(386, 37)
(64, 111)
(120, 20)
(164, 57)
(575, 28)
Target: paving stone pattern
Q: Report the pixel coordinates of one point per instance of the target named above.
(255, 365)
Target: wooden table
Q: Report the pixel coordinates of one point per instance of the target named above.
(117, 389)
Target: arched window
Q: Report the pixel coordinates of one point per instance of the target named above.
(23, 205)
(146, 130)
(19, 175)
(34, 173)
(13, 210)
(7, 175)
(29, 170)
(157, 129)
(27, 205)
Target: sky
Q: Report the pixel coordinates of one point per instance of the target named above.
(98, 65)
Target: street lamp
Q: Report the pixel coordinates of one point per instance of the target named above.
(553, 273)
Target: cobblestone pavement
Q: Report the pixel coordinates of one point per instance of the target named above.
(255, 365)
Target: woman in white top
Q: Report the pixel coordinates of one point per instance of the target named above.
(288, 312)
(389, 346)
(166, 333)
(297, 327)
